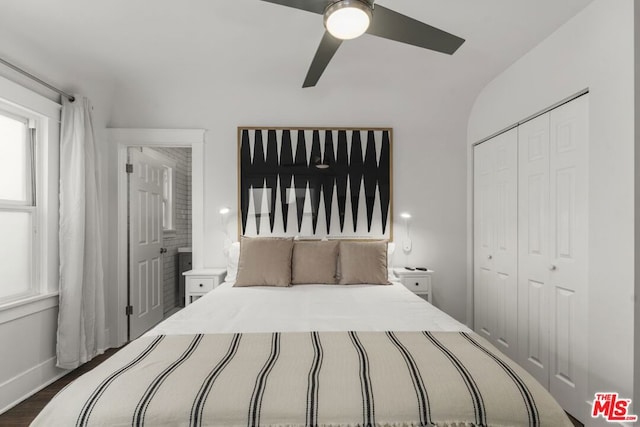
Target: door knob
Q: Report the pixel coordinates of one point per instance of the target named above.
(490, 257)
(552, 267)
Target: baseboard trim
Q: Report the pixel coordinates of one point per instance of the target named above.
(28, 383)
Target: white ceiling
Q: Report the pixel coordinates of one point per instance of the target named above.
(215, 40)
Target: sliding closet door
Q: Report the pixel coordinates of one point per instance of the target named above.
(568, 277)
(495, 241)
(533, 242)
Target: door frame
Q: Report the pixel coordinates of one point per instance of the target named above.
(126, 138)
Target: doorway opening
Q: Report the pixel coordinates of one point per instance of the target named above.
(118, 295)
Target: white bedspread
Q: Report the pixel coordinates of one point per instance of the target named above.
(193, 373)
(308, 308)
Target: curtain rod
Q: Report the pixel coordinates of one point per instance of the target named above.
(34, 78)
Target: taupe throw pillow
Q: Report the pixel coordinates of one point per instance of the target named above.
(363, 262)
(264, 261)
(314, 262)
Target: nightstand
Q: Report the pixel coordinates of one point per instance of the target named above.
(417, 281)
(199, 282)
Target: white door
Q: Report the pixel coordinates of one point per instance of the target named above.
(495, 241)
(568, 264)
(483, 202)
(553, 252)
(145, 243)
(533, 242)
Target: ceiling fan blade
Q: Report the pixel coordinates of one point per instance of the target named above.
(328, 47)
(396, 26)
(315, 6)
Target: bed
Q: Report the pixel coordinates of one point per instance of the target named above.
(307, 355)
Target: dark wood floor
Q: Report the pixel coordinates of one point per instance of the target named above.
(26, 411)
(575, 422)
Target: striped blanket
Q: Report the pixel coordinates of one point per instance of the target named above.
(306, 379)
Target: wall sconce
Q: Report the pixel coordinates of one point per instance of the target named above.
(406, 243)
(224, 211)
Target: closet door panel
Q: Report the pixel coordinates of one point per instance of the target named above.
(484, 232)
(506, 247)
(507, 315)
(482, 292)
(533, 247)
(568, 266)
(495, 241)
(537, 338)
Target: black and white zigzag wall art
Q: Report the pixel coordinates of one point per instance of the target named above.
(315, 182)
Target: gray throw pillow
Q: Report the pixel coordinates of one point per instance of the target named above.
(314, 262)
(363, 262)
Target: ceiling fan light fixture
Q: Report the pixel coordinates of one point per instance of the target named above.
(347, 19)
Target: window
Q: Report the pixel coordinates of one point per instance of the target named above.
(29, 176)
(18, 208)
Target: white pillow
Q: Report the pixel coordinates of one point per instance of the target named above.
(391, 247)
(232, 262)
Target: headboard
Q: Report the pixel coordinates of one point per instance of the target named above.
(315, 182)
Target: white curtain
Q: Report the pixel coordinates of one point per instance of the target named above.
(81, 319)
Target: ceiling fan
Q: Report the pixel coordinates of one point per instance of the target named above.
(348, 19)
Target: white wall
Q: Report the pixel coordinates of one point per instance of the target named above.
(593, 50)
(429, 169)
(28, 355)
